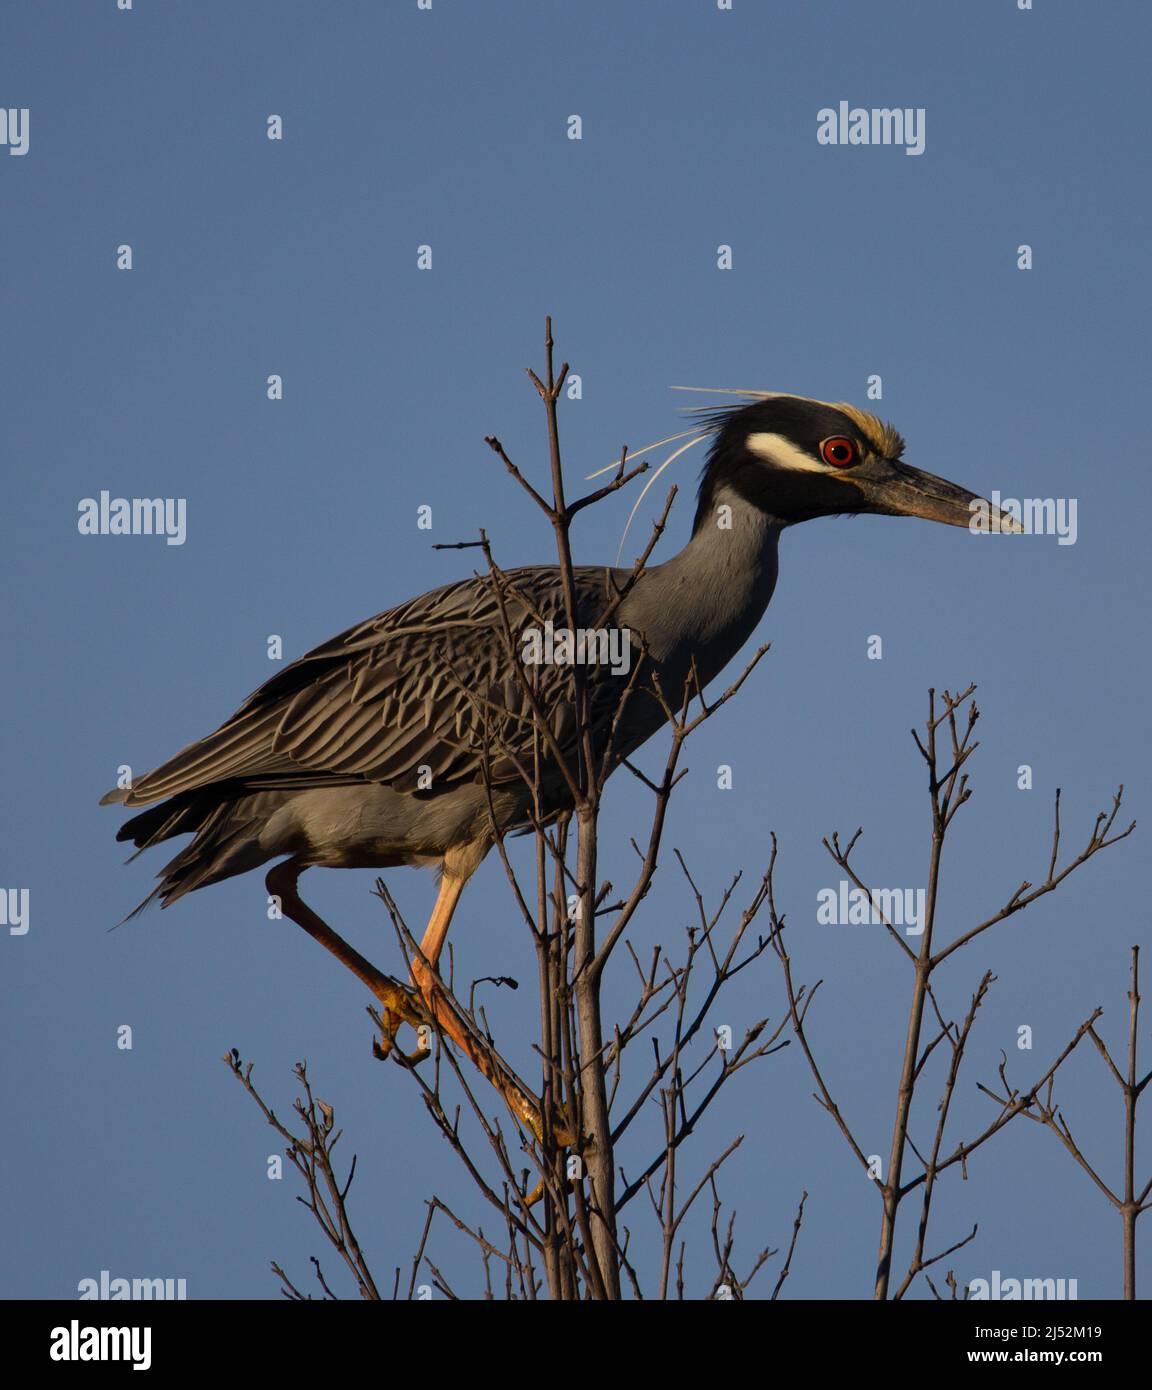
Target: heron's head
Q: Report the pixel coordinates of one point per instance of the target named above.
(796, 459)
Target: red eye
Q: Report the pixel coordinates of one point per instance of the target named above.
(839, 452)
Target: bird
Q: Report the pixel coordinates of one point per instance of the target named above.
(404, 740)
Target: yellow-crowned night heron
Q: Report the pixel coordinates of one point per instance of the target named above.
(370, 751)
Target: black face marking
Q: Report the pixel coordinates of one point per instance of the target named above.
(805, 423)
(783, 493)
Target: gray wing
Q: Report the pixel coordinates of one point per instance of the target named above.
(408, 690)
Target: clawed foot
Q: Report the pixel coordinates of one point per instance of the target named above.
(562, 1128)
(562, 1132)
(401, 1005)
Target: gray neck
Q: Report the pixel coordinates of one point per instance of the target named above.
(706, 601)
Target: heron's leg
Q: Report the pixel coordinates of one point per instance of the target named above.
(440, 1006)
(397, 1004)
(436, 932)
(437, 1002)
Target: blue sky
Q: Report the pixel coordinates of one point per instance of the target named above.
(299, 257)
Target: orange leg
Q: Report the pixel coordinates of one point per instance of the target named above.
(396, 1003)
(439, 1005)
(400, 1005)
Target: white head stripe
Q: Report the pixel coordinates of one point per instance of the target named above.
(779, 450)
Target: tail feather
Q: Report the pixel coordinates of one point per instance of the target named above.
(180, 815)
(226, 839)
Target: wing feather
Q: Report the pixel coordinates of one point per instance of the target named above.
(390, 695)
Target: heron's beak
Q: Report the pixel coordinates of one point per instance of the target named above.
(900, 490)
